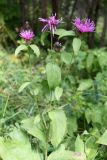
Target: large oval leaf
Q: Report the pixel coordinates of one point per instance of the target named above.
(91, 148)
(58, 92)
(17, 148)
(33, 126)
(103, 139)
(53, 75)
(79, 145)
(66, 57)
(85, 84)
(57, 130)
(20, 48)
(35, 49)
(63, 33)
(66, 155)
(76, 45)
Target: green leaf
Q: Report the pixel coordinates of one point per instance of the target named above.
(43, 37)
(103, 139)
(63, 33)
(76, 45)
(58, 92)
(66, 155)
(35, 49)
(66, 57)
(91, 148)
(102, 58)
(85, 84)
(57, 131)
(88, 115)
(36, 91)
(53, 75)
(97, 114)
(33, 126)
(20, 48)
(89, 61)
(17, 135)
(17, 148)
(23, 86)
(72, 125)
(79, 145)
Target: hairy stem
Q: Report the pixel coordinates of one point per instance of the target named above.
(51, 41)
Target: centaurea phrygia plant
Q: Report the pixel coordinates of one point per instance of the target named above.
(85, 25)
(50, 24)
(27, 35)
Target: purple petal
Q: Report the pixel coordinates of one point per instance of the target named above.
(45, 28)
(84, 25)
(43, 20)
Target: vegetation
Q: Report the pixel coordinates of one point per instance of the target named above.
(53, 84)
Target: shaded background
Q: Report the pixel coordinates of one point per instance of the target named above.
(14, 14)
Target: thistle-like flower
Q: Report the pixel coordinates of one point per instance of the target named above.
(50, 23)
(27, 35)
(85, 25)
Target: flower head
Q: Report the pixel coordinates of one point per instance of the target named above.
(57, 46)
(50, 23)
(85, 25)
(27, 34)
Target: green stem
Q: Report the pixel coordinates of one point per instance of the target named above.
(75, 66)
(46, 152)
(30, 68)
(5, 107)
(21, 61)
(74, 57)
(51, 41)
(29, 61)
(84, 122)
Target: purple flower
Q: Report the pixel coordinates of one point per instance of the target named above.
(85, 25)
(50, 23)
(27, 34)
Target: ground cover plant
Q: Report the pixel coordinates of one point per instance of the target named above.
(53, 100)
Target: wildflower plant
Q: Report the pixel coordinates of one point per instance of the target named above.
(56, 124)
(84, 26)
(27, 46)
(50, 24)
(27, 35)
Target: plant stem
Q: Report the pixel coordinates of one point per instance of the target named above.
(74, 57)
(46, 153)
(75, 67)
(51, 41)
(5, 107)
(29, 61)
(30, 68)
